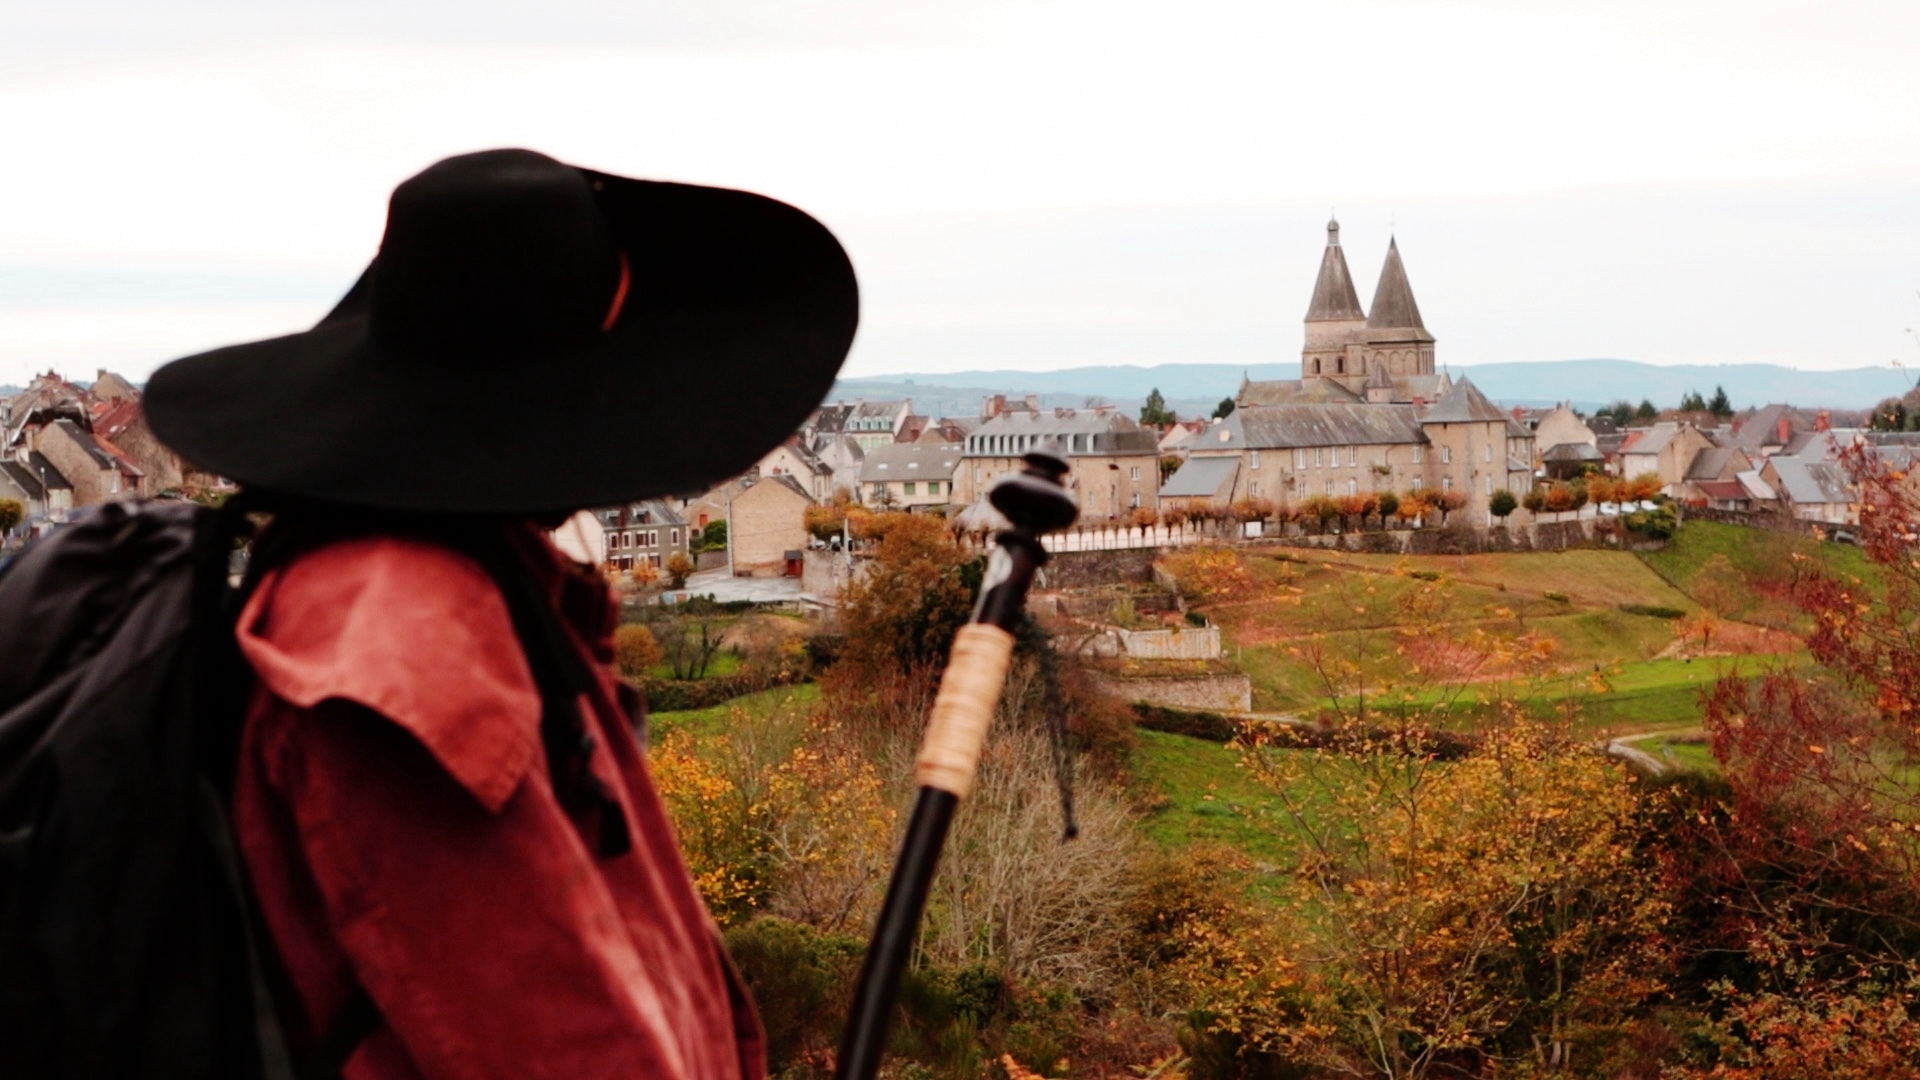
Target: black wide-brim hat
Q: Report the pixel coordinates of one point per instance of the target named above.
(531, 338)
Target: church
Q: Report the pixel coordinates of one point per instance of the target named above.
(1368, 414)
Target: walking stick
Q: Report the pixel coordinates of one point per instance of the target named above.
(1035, 503)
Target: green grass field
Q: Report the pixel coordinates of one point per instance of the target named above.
(1689, 755)
(713, 721)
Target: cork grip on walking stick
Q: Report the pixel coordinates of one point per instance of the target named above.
(969, 692)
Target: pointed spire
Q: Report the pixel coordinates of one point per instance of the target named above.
(1393, 306)
(1333, 297)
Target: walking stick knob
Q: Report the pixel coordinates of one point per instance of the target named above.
(1034, 499)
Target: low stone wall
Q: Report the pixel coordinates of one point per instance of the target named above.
(1080, 569)
(710, 560)
(1465, 540)
(1187, 643)
(1217, 693)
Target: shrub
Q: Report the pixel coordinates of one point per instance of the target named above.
(678, 567)
(635, 649)
(801, 980)
(1654, 611)
(1558, 597)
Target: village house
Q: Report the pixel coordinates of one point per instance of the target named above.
(1666, 449)
(641, 532)
(792, 458)
(909, 476)
(877, 423)
(1561, 426)
(1113, 463)
(97, 473)
(766, 528)
(1368, 414)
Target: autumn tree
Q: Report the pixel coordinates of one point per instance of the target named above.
(11, 515)
(1819, 857)
(635, 650)
(824, 521)
(678, 568)
(1447, 502)
(900, 619)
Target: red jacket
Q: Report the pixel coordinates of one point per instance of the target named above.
(394, 813)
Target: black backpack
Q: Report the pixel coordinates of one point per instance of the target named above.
(126, 945)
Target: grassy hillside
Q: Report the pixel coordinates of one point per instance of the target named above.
(1293, 615)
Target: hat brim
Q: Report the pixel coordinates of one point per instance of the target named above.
(739, 313)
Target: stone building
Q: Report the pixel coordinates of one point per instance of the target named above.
(1368, 414)
(641, 532)
(909, 476)
(97, 474)
(1113, 463)
(766, 528)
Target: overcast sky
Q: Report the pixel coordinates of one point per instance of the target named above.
(1021, 185)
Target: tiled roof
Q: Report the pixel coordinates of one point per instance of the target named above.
(1708, 464)
(1724, 490)
(1202, 477)
(1393, 306)
(51, 477)
(1805, 481)
(1571, 451)
(24, 479)
(910, 461)
(1268, 427)
(1464, 404)
(1334, 299)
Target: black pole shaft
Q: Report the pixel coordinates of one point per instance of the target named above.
(1034, 502)
(865, 1039)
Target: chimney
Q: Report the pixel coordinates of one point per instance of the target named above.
(1785, 430)
(1823, 422)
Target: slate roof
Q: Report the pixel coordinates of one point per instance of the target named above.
(1571, 451)
(24, 479)
(1650, 440)
(910, 461)
(1334, 298)
(1393, 306)
(1762, 429)
(1201, 477)
(1112, 432)
(1756, 487)
(831, 418)
(1806, 482)
(1293, 391)
(1406, 388)
(93, 449)
(1275, 427)
(1464, 404)
(641, 512)
(51, 477)
(877, 410)
(1710, 463)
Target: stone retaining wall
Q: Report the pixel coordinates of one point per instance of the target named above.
(1218, 693)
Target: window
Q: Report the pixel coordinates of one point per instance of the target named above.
(1253, 457)
(1489, 449)
(1136, 500)
(673, 537)
(1416, 483)
(1416, 453)
(1316, 457)
(1253, 489)
(1489, 483)
(1133, 473)
(912, 488)
(1446, 483)
(1299, 459)
(1446, 455)
(1329, 488)
(933, 487)
(1353, 487)
(653, 537)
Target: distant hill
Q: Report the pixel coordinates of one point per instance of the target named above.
(1194, 389)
